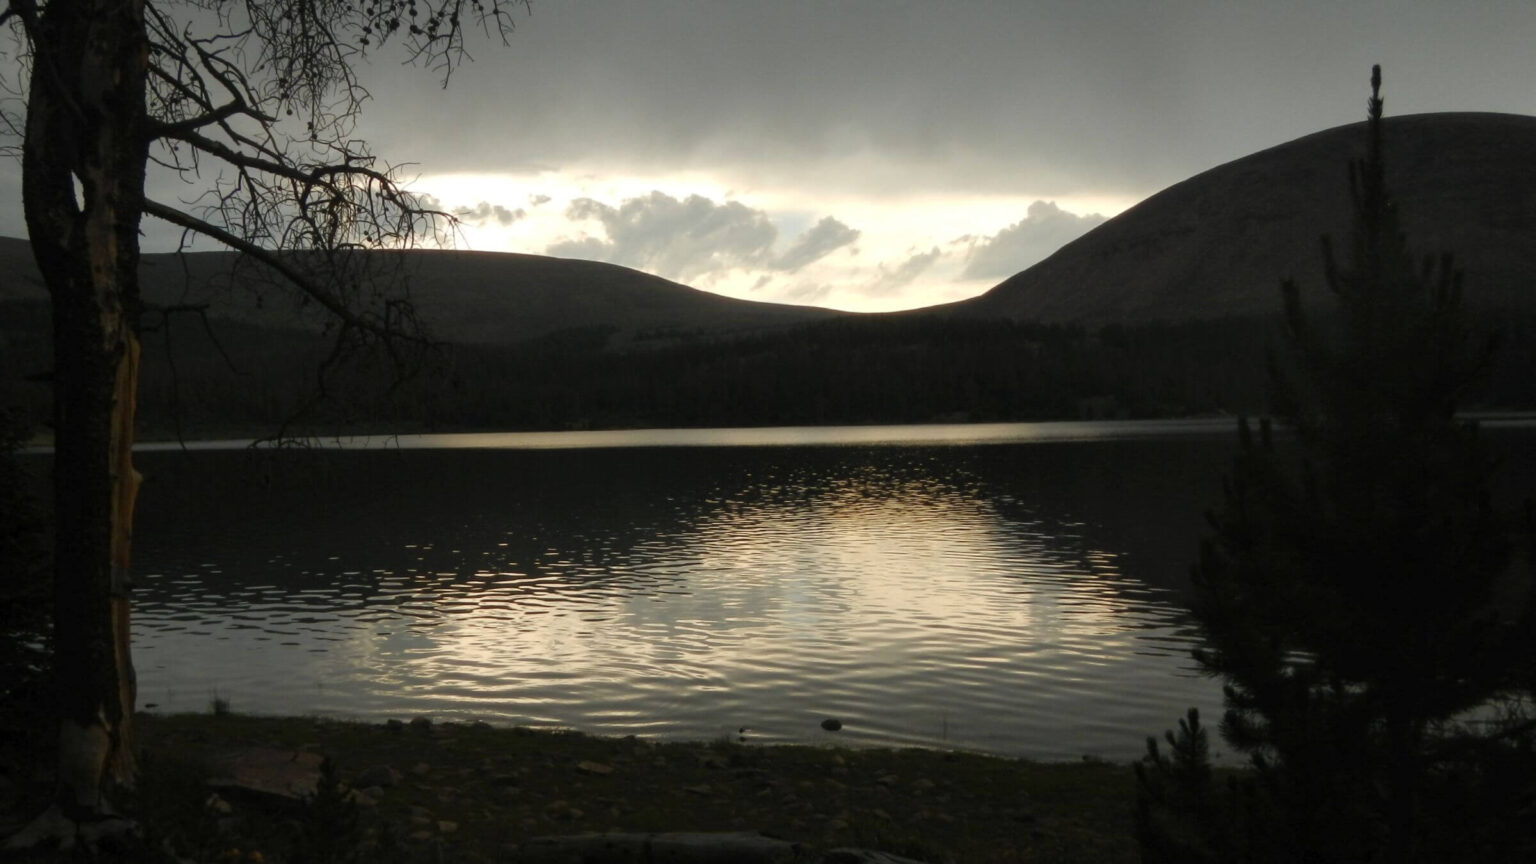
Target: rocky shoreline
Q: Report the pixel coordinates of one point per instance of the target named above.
(258, 789)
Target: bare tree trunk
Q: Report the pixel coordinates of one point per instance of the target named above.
(125, 494)
(83, 191)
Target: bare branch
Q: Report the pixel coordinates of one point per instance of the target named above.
(200, 310)
(24, 11)
(217, 115)
(257, 163)
(348, 317)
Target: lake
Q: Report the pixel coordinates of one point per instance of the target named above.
(1015, 589)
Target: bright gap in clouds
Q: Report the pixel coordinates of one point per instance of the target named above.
(858, 254)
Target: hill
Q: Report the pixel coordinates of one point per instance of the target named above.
(1218, 244)
(464, 297)
(1163, 311)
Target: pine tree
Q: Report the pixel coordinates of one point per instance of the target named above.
(1354, 594)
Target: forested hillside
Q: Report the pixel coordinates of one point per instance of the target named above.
(877, 369)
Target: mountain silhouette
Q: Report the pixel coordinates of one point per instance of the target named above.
(1215, 245)
(1219, 243)
(463, 297)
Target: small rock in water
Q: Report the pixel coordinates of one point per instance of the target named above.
(832, 724)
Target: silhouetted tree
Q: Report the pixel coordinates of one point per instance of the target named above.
(257, 100)
(1356, 595)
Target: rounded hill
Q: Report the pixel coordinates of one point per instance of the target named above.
(462, 296)
(1219, 243)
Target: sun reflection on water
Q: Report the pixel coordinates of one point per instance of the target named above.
(901, 592)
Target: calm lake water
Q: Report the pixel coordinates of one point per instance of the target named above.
(1010, 589)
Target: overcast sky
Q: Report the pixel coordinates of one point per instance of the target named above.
(873, 154)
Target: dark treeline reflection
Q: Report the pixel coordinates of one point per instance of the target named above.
(1141, 495)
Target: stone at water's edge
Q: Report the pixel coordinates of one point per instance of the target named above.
(732, 848)
(688, 848)
(377, 775)
(864, 857)
(285, 775)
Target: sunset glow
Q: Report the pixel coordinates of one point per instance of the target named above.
(860, 253)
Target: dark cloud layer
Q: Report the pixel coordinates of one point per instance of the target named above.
(1041, 98)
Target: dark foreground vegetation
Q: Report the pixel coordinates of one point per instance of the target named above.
(1367, 601)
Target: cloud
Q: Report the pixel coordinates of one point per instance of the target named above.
(485, 212)
(695, 236)
(892, 280)
(1030, 240)
(678, 239)
(537, 200)
(817, 242)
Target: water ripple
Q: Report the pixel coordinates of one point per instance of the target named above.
(927, 596)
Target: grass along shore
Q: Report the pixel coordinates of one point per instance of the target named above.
(472, 793)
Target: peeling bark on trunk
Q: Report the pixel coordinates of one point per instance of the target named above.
(83, 180)
(125, 494)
